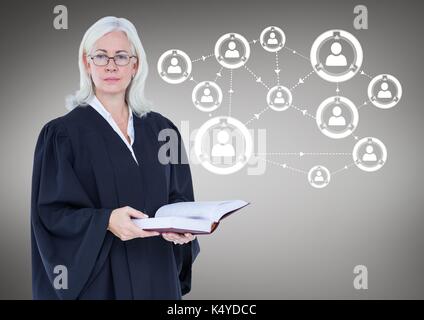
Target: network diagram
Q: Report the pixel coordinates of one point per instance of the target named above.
(223, 144)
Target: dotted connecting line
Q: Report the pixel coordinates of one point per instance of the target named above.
(203, 58)
(277, 69)
(192, 79)
(301, 80)
(301, 154)
(297, 53)
(257, 115)
(219, 74)
(365, 74)
(364, 104)
(356, 138)
(283, 165)
(258, 79)
(304, 112)
(231, 92)
(343, 169)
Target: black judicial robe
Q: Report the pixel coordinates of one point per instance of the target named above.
(82, 171)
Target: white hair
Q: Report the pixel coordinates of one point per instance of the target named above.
(134, 95)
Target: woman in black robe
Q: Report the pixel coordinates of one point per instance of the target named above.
(88, 182)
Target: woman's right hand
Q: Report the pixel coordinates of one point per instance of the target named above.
(120, 224)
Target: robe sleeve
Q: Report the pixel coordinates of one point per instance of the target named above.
(181, 189)
(67, 230)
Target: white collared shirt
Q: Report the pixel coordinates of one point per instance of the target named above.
(98, 106)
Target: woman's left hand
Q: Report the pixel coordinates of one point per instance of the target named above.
(178, 238)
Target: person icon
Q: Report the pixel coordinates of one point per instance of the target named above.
(384, 93)
(318, 176)
(337, 119)
(223, 148)
(206, 98)
(279, 99)
(272, 40)
(174, 67)
(336, 59)
(232, 52)
(369, 156)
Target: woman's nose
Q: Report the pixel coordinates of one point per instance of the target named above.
(111, 66)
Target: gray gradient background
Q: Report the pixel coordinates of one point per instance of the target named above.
(293, 241)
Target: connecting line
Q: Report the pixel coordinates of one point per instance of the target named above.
(356, 138)
(301, 154)
(297, 53)
(219, 74)
(337, 89)
(257, 115)
(284, 165)
(258, 79)
(192, 79)
(364, 104)
(203, 58)
(277, 69)
(365, 74)
(254, 41)
(231, 91)
(304, 112)
(342, 169)
(302, 80)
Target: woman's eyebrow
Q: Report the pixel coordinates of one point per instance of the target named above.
(118, 51)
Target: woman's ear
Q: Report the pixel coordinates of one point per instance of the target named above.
(86, 64)
(135, 67)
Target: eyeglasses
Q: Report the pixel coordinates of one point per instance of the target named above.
(102, 60)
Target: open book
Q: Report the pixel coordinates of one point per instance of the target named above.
(200, 217)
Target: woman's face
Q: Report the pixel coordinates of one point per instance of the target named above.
(114, 77)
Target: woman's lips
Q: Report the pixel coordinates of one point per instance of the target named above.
(112, 80)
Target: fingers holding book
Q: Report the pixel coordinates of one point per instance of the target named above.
(178, 238)
(121, 225)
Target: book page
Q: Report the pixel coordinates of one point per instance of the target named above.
(175, 224)
(209, 210)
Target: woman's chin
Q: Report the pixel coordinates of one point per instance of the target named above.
(111, 90)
